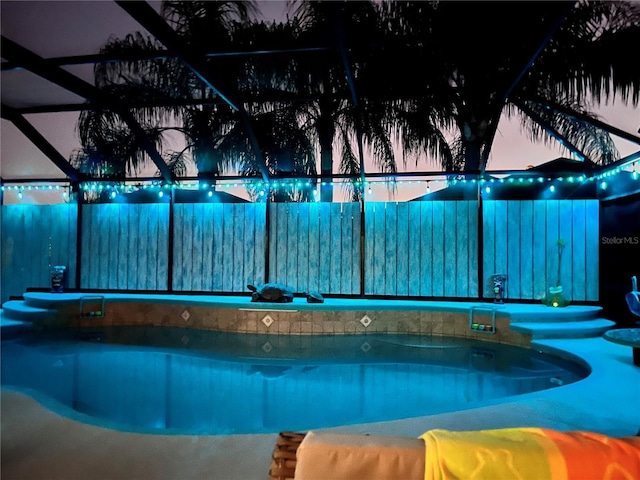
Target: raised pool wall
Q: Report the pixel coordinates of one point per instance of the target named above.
(334, 317)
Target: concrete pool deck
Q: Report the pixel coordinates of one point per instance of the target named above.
(38, 444)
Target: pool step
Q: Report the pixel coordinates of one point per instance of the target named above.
(48, 300)
(580, 329)
(543, 314)
(9, 327)
(21, 311)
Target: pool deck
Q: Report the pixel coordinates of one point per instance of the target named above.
(38, 444)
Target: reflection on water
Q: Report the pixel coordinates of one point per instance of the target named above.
(185, 381)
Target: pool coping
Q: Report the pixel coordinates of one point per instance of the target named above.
(604, 402)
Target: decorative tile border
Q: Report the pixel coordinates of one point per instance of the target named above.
(298, 322)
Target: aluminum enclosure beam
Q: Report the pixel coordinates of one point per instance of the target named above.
(35, 64)
(42, 143)
(147, 17)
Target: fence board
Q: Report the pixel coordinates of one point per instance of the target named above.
(450, 222)
(513, 247)
(335, 254)
(526, 248)
(303, 249)
(489, 244)
(239, 246)
(207, 246)
(144, 253)
(227, 247)
(413, 248)
(437, 251)
(250, 252)
(402, 249)
(111, 237)
(178, 246)
(216, 247)
(357, 256)
(314, 247)
(501, 240)
(131, 244)
(39, 243)
(197, 266)
(391, 248)
(592, 245)
(260, 218)
(539, 263)
(473, 249)
(324, 231)
(379, 249)
(426, 249)
(182, 258)
(565, 211)
(346, 249)
(152, 242)
(462, 249)
(278, 241)
(577, 250)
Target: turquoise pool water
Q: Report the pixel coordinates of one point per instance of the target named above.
(168, 380)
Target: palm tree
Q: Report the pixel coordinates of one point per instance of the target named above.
(329, 115)
(164, 90)
(168, 92)
(483, 59)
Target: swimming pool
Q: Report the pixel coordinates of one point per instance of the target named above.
(173, 380)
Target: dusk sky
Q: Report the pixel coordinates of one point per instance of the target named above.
(73, 28)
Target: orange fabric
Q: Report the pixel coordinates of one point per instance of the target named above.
(529, 454)
(594, 456)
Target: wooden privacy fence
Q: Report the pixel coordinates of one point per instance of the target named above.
(218, 247)
(442, 249)
(34, 239)
(125, 246)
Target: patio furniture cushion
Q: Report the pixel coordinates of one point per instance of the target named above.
(348, 457)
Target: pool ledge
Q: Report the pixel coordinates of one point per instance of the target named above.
(521, 311)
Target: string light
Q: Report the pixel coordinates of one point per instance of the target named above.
(261, 187)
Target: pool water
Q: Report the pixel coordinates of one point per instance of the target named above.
(170, 380)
